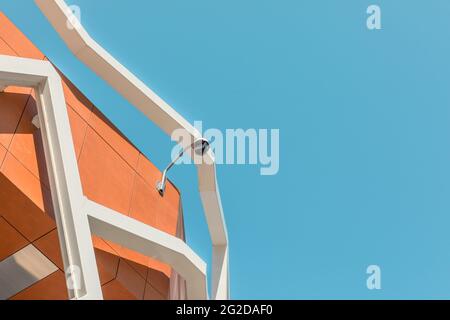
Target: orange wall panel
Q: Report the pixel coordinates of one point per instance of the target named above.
(107, 265)
(106, 177)
(24, 202)
(132, 278)
(17, 40)
(27, 145)
(145, 203)
(5, 49)
(52, 287)
(49, 246)
(12, 102)
(152, 294)
(159, 281)
(2, 157)
(12, 240)
(114, 290)
(79, 128)
(115, 139)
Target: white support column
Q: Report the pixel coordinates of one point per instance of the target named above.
(73, 226)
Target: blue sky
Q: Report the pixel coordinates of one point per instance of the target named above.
(364, 119)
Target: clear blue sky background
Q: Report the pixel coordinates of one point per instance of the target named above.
(364, 119)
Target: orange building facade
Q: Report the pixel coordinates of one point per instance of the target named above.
(113, 173)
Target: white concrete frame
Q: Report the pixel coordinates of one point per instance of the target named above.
(76, 216)
(158, 111)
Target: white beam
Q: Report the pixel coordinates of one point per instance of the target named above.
(158, 111)
(151, 242)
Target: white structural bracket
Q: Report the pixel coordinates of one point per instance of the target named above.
(159, 112)
(77, 217)
(151, 242)
(65, 184)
